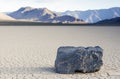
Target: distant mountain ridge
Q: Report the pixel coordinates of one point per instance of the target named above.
(92, 16)
(42, 15)
(46, 15)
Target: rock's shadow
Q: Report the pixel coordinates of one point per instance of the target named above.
(27, 70)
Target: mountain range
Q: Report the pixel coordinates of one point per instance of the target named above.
(42, 15)
(93, 16)
(47, 16)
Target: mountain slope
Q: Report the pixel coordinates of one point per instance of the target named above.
(113, 21)
(93, 16)
(67, 19)
(4, 17)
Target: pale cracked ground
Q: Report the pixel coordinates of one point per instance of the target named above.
(29, 52)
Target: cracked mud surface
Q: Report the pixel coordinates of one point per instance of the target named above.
(30, 52)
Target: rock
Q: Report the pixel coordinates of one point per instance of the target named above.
(72, 59)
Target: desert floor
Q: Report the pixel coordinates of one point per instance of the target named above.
(29, 52)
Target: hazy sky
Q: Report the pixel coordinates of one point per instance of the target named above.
(58, 5)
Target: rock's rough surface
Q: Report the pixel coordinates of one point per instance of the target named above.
(71, 59)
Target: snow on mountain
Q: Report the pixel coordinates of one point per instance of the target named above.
(93, 16)
(4, 17)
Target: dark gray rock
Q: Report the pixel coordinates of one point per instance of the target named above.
(71, 59)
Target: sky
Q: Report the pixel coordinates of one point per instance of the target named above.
(58, 5)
